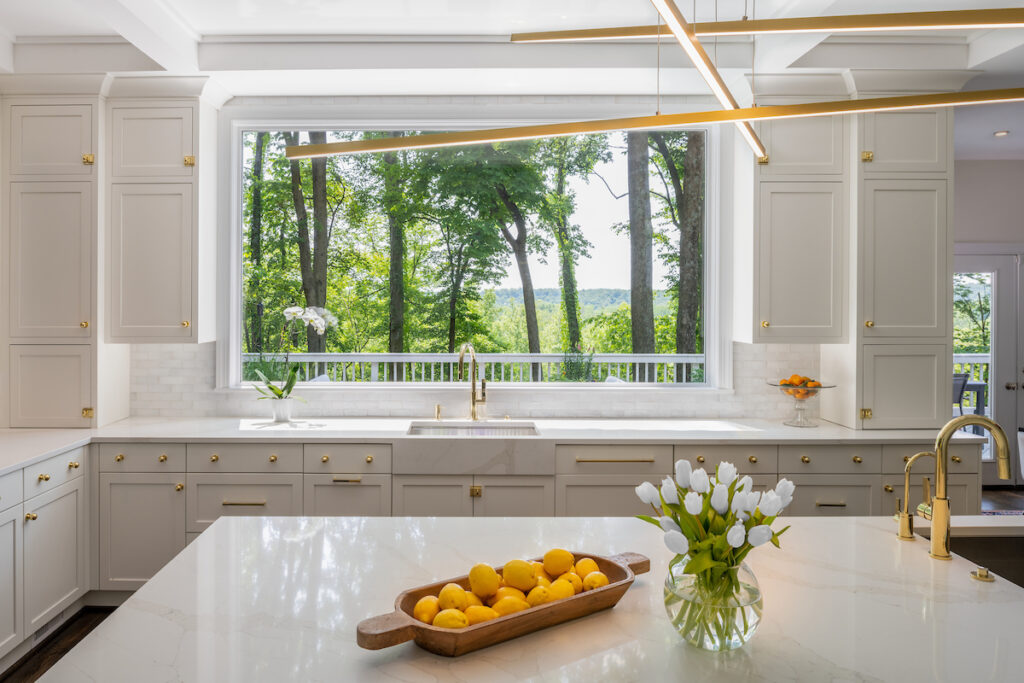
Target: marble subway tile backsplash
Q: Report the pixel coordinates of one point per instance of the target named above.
(177, 380)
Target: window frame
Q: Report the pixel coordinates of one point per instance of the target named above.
(717, 331)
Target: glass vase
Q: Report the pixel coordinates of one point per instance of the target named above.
(714, 611)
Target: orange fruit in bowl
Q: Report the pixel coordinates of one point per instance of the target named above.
(784, 382)
(814, 383)
(796, 379)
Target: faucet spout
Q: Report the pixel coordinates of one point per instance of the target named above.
(474, 399)
(906, 514)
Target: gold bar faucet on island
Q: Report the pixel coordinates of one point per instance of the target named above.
(938, 510)
(474, 399)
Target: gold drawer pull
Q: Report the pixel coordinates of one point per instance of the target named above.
(84, 324)
(190, 160)
(88, 159)
(273, 457)
(867, 156)
(185, 323)
(829, 505)
(325, 458)
(753, 459)
(73, 465)
(244, 503)
(119, 457)
(957, 459)
(179, 487)
(44, 477)
(350, 480)
(369, 459)
(857, 459)
(804, 459)
(162, 458)
(700, 459)
(869, 324)
(30, 516)
(887, 488)
(765, 323)
(214, 458)
(590, 460)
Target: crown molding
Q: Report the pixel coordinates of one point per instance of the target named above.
(54, 84)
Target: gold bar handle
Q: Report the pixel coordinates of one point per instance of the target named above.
(829, 505)
(237, 503)
(351, 480)
(591, 460)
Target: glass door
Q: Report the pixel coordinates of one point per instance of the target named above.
(985, 378)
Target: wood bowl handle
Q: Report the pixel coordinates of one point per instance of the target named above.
(385, 630)
(635, 561)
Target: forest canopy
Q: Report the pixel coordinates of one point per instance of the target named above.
(421, 251)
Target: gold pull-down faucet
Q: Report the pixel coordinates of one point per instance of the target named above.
(474, 399)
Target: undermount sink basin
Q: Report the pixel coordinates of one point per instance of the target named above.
(1003, 555)
(469, 428)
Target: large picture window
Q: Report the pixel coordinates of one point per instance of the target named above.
(570, 259)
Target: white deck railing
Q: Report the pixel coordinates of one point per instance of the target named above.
(495, 367)
(976, 366)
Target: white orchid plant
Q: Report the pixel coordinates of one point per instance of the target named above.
(295, 317)
(712, 522)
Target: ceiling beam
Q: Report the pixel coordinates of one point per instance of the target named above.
(154, 29)
(992, 45)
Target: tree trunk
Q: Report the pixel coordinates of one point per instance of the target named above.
(256, 246)
(641, 251)
(396, 269)
(321, 230)
(454, 293)
(518, 244)
(567, 261)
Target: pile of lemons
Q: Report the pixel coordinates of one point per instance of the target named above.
(521, 585)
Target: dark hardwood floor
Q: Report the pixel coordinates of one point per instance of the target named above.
(42, 657)
(1003, 499)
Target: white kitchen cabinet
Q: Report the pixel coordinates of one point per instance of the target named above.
(51, 139)
(512, 496)
(51, 385)
(142, 526)
(153, 142)
(808, 146)
(55, 552)
(362, 495)
(909, 141)
(598, 495)
(151, 262)
(906, 386)
(905, 289)
(832, 495)
(801, 262)
(209, 496)
(426, 495)
(12, 626)
(51, 277)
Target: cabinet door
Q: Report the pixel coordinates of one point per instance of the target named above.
(358, 495)
(51, 256)
(811, 146)
(51, 385)
(511, 496)
(906, 290)
(55, 552)
(800, 271)
(142, 526)
(598, 495)
(906, 386)
(210, 496)
(911, 141)
(425, 495)
(964, 491)
(834, 495)
(154, 142)
(12, 627)
(51, 139)
(151, 262)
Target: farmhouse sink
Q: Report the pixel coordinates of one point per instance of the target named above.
(497, 428)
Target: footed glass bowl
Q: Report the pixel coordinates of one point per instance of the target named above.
(801, 395)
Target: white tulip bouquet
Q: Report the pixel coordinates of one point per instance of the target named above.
(711, 523)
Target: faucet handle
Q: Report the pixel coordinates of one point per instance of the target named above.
(483, 390)
(926, 491)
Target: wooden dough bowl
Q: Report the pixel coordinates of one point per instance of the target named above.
(399, 626)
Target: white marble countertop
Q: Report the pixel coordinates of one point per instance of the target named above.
(22, 447)
(278, 599)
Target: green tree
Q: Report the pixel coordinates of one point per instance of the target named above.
(972, 312)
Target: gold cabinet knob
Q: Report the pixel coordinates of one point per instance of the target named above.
(765, 323)
(804, 459)
(162, 458)
(44, 477)
(887, 488)
(753, 459)
(179, 487)
(273, 457)
(30, 516)
(700, 459)
(369, 459)
(73, 465)
(869, 324)
(185, 323)
(119, 457)
(84, 324)
(857, 459)
(214, 458)
(957, 459)
(325, 458)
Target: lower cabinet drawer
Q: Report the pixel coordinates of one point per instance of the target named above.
(964, 491)
(241, 495)
(652, 460)
(10, 489)
(347, 495)
(255, 457)
(748, 459)
(831, 495)
(816, 459)
(599, 495)
(50, 473)
(963, 459)
(509, 496)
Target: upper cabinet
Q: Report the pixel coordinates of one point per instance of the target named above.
(152, 142)
(51, 385)
(913, 141)
(51, 139)
(809, 146)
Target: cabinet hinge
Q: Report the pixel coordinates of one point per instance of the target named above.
(867, 157)
(476, 491)
(763, 160)
(190, 161)
(87, 412)
(865, 413)
(88, 159)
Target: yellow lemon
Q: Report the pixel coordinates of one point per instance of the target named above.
(451, 618)
(557, 562)
(426, 609)
(519, 574)
(544, 581)
(472, 599)
(538, 569)
(483, 580)
(576, 581)
(510, 606)
(452, 596)
(585, 566)
(594, 580)
(477, 614)
(538, 596)
(506, 592)
(560, 588)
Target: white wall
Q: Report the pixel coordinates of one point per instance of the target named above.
(989, 201)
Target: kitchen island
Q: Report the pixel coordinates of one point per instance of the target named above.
(278, 599)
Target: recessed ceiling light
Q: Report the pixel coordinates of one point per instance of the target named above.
(1001, 133)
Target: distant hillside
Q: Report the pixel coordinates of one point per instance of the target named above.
(596, 300)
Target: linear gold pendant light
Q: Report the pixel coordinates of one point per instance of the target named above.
(660, 121)
(900, 21)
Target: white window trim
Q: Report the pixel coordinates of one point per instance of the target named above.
(234, 120)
